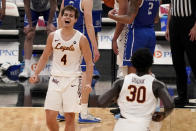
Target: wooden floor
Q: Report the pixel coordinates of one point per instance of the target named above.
(33, 119)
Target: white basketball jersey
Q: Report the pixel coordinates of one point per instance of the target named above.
(136, 99)
(67, 55)
(116, 5)
(122, 39)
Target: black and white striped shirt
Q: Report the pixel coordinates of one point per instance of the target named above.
(183, 8)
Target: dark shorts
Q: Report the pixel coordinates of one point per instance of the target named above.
(142, 37)
(35, 17)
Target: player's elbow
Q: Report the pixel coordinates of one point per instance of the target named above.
(169, 108)
(101, 102)
(89, 27)
(129, 20)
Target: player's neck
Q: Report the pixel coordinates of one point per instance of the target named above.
(67, 34)
(68, 30)
(142, 73)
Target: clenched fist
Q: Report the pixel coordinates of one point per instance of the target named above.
(158, 116)
(34, 79)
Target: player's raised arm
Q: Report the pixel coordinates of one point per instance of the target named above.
(60, 15)
(132, 13)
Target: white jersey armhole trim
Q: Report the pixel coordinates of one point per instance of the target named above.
(81, 35)
(55, 36)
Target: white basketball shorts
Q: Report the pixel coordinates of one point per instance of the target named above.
(131, 125)
(63, 93)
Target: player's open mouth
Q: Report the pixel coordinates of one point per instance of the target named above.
(67, 22)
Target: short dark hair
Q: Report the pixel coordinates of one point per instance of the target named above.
(142, 60)
(70, 8)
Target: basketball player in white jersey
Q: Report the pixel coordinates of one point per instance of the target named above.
(120, 37)
(68, 46)
(137, 96)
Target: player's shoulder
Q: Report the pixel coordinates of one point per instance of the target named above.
(83, 37)
(119, 81)
(54, 32)
(51, 35)
(158, 84)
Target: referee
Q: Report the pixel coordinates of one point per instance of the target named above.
(181, 32)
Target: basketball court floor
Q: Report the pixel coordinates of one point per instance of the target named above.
(33, 119)
(21, 103)
(21, 109)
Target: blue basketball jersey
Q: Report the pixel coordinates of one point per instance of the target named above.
(80, 25)
(147, 13)
(141, 32)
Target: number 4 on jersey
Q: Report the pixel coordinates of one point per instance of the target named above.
(64, 59)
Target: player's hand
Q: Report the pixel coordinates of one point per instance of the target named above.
(96, 55)
(87, 89)
(112, 13)
(28, 29)
(34, 79)
(192, 33)
(115, 47)
(167, 34)
(50, 28)
(158, 116)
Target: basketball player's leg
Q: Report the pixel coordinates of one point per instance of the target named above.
(28, 43)
(69, 124)
(51, 120)
(84, 116)
(129, 50)
(122, 70)
(53, 103)
(85, 90)
(51, 27)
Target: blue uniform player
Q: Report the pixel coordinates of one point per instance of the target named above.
(2, 10)
(34, 9)
(140, 17)
(85, 25)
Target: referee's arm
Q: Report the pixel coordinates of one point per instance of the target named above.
(192, 33)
